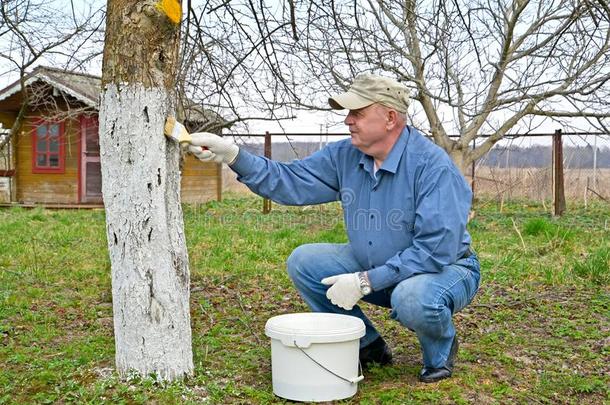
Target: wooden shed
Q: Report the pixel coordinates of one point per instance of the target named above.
(54, 157)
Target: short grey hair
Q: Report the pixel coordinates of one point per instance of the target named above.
(402, 116)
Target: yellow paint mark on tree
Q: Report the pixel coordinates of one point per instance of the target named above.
(172, 9)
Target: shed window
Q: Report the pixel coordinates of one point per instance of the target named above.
(48, 149)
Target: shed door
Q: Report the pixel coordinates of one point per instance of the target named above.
(91, 174)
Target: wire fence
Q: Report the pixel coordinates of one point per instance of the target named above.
(522, 168)
(519, 167)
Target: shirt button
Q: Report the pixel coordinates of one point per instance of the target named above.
(370, 243)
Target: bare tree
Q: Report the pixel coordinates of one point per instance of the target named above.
(140, 170)
(141, 183)
(484, 67)
(34, 32)
(474, 66)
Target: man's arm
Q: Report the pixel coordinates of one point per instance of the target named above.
(312, 180)
(441, 214)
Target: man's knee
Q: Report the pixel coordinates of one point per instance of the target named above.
(298, 261)
(414, 306)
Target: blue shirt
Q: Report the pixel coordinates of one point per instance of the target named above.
(408, 218)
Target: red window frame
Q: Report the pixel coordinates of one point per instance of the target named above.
(37, 151)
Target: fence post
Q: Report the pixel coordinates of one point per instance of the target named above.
(473, 170)
(594, 164)
(266, 201)
(559, 199)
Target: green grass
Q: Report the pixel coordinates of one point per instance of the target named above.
(594, 266)
(537, 331)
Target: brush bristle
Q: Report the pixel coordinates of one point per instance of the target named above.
(175, 130)
(170, 122)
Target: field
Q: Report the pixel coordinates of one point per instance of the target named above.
(529, 183)
(538, 331)
(536, 183)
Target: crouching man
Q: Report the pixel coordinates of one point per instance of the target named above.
(405, 209)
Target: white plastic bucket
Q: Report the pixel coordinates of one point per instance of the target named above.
(314, 356)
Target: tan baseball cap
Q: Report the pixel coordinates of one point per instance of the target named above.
(368, 89)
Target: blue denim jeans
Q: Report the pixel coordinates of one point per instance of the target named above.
(423, 303)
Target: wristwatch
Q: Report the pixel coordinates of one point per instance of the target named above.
(365, 286)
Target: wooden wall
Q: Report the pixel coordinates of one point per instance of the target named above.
(59, 188)
(201, 181)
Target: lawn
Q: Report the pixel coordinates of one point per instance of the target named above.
(538, 331)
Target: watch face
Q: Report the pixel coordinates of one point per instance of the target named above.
(366, 290)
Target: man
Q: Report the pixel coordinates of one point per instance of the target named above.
(405, 209)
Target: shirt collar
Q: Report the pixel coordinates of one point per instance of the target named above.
(390, 164)
(366, 162)
(363, 159)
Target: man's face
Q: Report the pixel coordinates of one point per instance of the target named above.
(367, 126)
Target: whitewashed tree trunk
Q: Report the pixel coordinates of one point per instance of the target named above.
(141, 190)
(150, 276)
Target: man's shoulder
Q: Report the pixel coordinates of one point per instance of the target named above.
(343, 148)
(341, 144)
(423, 145)
(426, 152)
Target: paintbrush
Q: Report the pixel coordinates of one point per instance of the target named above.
(176, 131)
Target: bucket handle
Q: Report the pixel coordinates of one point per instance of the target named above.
(352, 380)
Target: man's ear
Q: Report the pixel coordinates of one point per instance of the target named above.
(391, 119)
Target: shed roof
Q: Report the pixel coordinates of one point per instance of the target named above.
(86, 89)
(82, 86)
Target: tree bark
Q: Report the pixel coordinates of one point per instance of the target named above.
(141, 191)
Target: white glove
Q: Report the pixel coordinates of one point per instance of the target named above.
(344, 291)
(209, 147)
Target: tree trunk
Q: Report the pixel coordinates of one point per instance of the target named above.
(141, 191)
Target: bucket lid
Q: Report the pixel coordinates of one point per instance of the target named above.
(315, 327)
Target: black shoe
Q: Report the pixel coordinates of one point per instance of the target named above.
(376, 352)
(430, 375)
